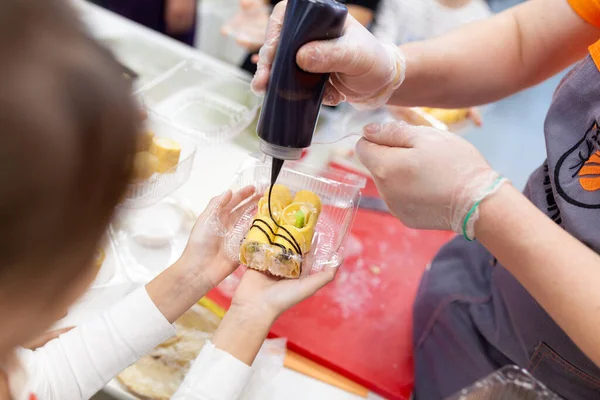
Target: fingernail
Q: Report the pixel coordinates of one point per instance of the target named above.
(373, 128)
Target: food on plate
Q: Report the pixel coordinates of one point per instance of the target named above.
(277, 245)
(158, 375)
(144, 165)
(167, 151)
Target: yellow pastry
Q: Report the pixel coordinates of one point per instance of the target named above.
(286, 260)
(167, 151)
(145, 140)
(448, 116)
(254, 251)
(144, 165)
(306, 196)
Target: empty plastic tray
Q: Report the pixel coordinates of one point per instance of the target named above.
(201, 101)
(142, 55)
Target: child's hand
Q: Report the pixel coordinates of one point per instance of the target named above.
(180, 15)
(262, 295)
(205, 248)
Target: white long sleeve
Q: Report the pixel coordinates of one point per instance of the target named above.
(79, 363)
(214, 375)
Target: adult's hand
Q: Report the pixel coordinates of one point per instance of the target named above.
(430, 179)
(364, 71)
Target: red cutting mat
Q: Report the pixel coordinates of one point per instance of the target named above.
(361, 324)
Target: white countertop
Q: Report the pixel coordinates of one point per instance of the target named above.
(212, 172)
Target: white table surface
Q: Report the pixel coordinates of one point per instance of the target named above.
(212, 172)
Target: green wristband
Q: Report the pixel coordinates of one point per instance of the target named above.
(489, 190)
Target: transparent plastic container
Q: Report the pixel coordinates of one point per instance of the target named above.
(142, 55)
(510, 382)
(202, 102)
(149, 240)
(339, 193)
(112, 283)
(144, 193)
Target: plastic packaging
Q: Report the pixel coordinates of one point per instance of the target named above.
(145, 192)
(339, 194)
(110, 285)
(509, 382)
(149, 240)
(145, 57)
(201, 102)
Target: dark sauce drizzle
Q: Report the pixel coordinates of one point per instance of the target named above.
(293, 242)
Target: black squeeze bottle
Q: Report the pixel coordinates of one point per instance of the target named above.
(293, 99)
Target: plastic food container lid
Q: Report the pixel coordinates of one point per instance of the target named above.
(202, 102)
(510, 382)
(339, 193)
(146, 192)
(144, 56)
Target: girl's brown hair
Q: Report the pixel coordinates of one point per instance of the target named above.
(68, 130)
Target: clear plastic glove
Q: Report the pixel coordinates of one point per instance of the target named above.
(430, 179)
(248, 27)
(364, 71)
(205, 249)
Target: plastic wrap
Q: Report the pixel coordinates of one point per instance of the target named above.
(509, 382)
(145, 192)
(201, 102)
(149, 240)
(142, 55)
(339, 194)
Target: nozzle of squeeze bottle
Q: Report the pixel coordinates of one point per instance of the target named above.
(276, 166)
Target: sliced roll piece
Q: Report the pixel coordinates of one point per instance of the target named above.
(280, 195)
(286, 259)
(255, 249)
(304, 217)
(306, 196)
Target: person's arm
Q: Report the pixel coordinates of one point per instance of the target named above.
(222, 369)
(560, 272)
(491, 59)
(79, 363)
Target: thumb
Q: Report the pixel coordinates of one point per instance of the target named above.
(396, 134)
(312, 283)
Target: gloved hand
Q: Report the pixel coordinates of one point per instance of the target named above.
(249, 25)
(365, 72)
(430, 179)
